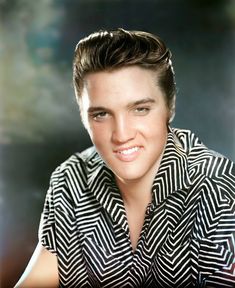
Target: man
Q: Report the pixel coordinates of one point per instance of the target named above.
(148, 205)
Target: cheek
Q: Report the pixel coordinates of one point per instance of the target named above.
(154, 127)
(99, 135)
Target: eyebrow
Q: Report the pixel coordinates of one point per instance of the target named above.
(93, 109)
(97, 108)
(141, 101)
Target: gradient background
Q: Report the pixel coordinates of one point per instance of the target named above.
(39, 120)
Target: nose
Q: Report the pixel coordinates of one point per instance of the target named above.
(123, 130)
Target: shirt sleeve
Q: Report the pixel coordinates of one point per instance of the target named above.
(218, 251)
(47, 227)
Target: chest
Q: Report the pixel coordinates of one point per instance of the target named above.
(96, 249)
(101, 246)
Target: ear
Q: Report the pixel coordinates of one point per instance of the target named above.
(83, 117)
(172, 109)
(80, 107)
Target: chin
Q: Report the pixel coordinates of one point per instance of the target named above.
(128, 175)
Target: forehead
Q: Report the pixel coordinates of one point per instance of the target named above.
(124, 84)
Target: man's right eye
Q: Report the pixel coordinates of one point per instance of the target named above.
(99, 115)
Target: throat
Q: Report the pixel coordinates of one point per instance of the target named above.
(135, 218)
(136, 196)
(135, 212)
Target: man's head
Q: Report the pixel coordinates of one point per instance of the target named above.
(111, 50)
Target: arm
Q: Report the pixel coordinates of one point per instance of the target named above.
(42, 270)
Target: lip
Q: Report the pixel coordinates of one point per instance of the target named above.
(128, 154)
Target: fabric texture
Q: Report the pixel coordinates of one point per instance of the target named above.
(188, 237)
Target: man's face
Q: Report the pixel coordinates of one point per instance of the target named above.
(126, 117)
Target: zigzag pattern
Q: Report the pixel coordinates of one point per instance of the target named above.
(188, 237)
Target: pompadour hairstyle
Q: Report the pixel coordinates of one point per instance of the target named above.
(109, 50)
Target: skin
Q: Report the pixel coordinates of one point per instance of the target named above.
(41, 271)
(126, 117)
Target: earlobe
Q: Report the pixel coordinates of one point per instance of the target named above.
(171, 116)
(85, 123)
(172, 110)
(84, 119)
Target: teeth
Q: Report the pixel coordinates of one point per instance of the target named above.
(129, 151)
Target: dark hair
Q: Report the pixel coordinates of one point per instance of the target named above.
(109, 50)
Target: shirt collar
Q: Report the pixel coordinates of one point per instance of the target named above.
(172, 176)
(101, 183)
(173, 173)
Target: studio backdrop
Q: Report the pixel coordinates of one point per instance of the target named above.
(39, 118)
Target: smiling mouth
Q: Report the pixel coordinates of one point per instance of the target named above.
(128, 151)
(128, 154)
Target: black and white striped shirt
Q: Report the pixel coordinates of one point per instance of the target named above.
(188, 237)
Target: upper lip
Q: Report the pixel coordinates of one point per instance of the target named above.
(126, 148)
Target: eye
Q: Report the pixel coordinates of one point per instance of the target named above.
(99, 116)
(142, 110)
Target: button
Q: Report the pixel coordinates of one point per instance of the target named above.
(150, 209)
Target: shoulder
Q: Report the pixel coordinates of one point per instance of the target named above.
(86, 158)
(79, 164)
(203, 161)
(188, 141)
(69, 183)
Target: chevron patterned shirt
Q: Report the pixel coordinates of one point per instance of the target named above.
(188, 237)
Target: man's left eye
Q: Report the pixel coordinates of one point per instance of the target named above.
(142, 110)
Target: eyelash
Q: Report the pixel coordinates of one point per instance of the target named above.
(142, 110)
(99, 116)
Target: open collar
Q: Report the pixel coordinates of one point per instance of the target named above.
(101, 183)
(172, 176)
(173, 172)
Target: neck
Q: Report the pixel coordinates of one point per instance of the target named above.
(137, 192)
